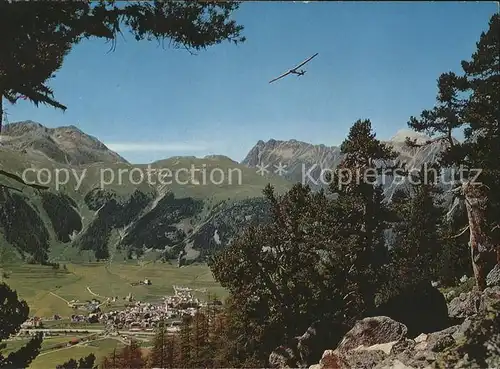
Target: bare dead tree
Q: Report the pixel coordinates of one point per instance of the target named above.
(482, 247)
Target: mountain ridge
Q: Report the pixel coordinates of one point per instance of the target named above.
(65, 144)
(125, 219)
(304, 162)
(121, 219)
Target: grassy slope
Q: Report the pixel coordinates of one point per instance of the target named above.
(99, 348)
(34, 283)
(246, 184)
(251, 183)
(240, 182)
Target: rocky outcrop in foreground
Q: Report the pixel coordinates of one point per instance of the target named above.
(381, 342)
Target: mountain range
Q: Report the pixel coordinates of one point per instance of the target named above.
(103, 207)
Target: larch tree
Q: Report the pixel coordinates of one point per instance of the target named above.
(158, 358)
(185, 342)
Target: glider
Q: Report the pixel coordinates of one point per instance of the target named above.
(295, 70)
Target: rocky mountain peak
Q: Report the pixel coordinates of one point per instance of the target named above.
(305, 161)
(402, 134)
(66, 145)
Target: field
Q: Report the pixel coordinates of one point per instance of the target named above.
(50, 359)
(48, 291)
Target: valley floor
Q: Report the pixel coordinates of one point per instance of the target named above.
(48, 291)
(51, 291)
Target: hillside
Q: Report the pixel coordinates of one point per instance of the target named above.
(94, 216)
(197, 207)
(64, 145)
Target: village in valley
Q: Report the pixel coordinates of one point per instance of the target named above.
(122, 318)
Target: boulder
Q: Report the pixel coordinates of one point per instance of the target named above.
(283, 357)
(470, 303)
(435, 342)
(332, 359)
(371, 331)
(393, 364)
(479, 344)
(464, 305)
(489, 297)
(381, 343)
(365, 358)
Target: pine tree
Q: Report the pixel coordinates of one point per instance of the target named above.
(361, 199)
(132, 356)
(417, 241)
(454, 258)
(129, 356)
(480, 110)
(481, 149)
(447, 115)
(41, 34)
(173, 352)
(117, 359)
(284, 275)
(13, 313)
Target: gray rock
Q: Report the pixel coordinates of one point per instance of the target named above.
(393, 364)
(489, 297)
(382, 343)
(439, 341)
(493, 278)
(365, 359)
(371, 331)
(283, 357)
(464, 305)
(332, 359)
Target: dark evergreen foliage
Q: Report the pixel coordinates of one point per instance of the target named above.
(62, 213)
(86, 362)
(43, 33)
(23, 226)
(13, 313)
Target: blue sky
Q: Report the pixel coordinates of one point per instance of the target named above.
(376, 60)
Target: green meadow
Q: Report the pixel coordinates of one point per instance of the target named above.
(48, 291)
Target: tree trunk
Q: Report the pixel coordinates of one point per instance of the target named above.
(481, 245)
